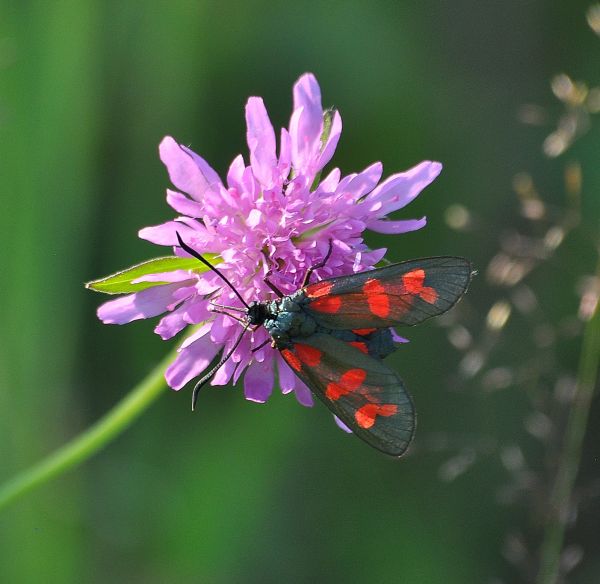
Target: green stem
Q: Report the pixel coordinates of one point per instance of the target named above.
(560, 498)
(92, 440)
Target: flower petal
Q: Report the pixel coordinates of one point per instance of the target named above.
(207, 171)
(166, 233)
(364, 182)
(171, 324)
(221, 329)
(303, 394)
(261, 141)
(191, 362)
(366, 259)
(144, 304)
(397, 338)
(173, 276)
(285, 154)
(400, 189)
(342, 425)
(306, 125)
(183, 169)
(198, 334)
(191, 231)
(396, 227)
(330, 182)
(224, 373)
(254, 218)
(235, 174)
(287, 378)
(258, 381)
(183, 205)
(197, 312)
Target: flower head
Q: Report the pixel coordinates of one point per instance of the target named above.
(272, 216)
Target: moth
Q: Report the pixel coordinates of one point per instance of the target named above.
(335, 333)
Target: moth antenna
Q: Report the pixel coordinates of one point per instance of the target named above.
(207, 377)
(194, 253)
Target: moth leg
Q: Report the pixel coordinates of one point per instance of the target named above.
(240, 320)
(234, 308)
(317, 266)
(270, 284)
(261, 345)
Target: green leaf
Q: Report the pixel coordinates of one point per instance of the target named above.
(327, 122)
(122, 282)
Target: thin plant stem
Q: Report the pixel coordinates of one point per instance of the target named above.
(91, 440)
(561, 495)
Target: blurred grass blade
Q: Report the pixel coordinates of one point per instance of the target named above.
(561, 498)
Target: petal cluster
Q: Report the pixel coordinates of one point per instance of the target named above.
(272, 215)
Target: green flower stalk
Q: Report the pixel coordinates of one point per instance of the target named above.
(92, 440)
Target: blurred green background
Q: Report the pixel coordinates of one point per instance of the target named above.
(241, 492)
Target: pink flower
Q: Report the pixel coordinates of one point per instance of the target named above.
(273, 215)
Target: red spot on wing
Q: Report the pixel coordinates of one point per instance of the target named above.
(349, 381)
(360, 346)
(310, 356)
(291, 359)
(328, 304)
(413, 281)
(365, 416)
(379, 301)
(319, 289)
(429, 295)
(413, 284)
(364, 332)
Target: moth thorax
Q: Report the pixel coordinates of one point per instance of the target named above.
(285, 325)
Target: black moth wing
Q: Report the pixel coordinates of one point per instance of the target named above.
(361, 391)
(406, 294)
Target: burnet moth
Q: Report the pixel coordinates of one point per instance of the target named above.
(334, 334)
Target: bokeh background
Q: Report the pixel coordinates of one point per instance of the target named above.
(241, 492)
